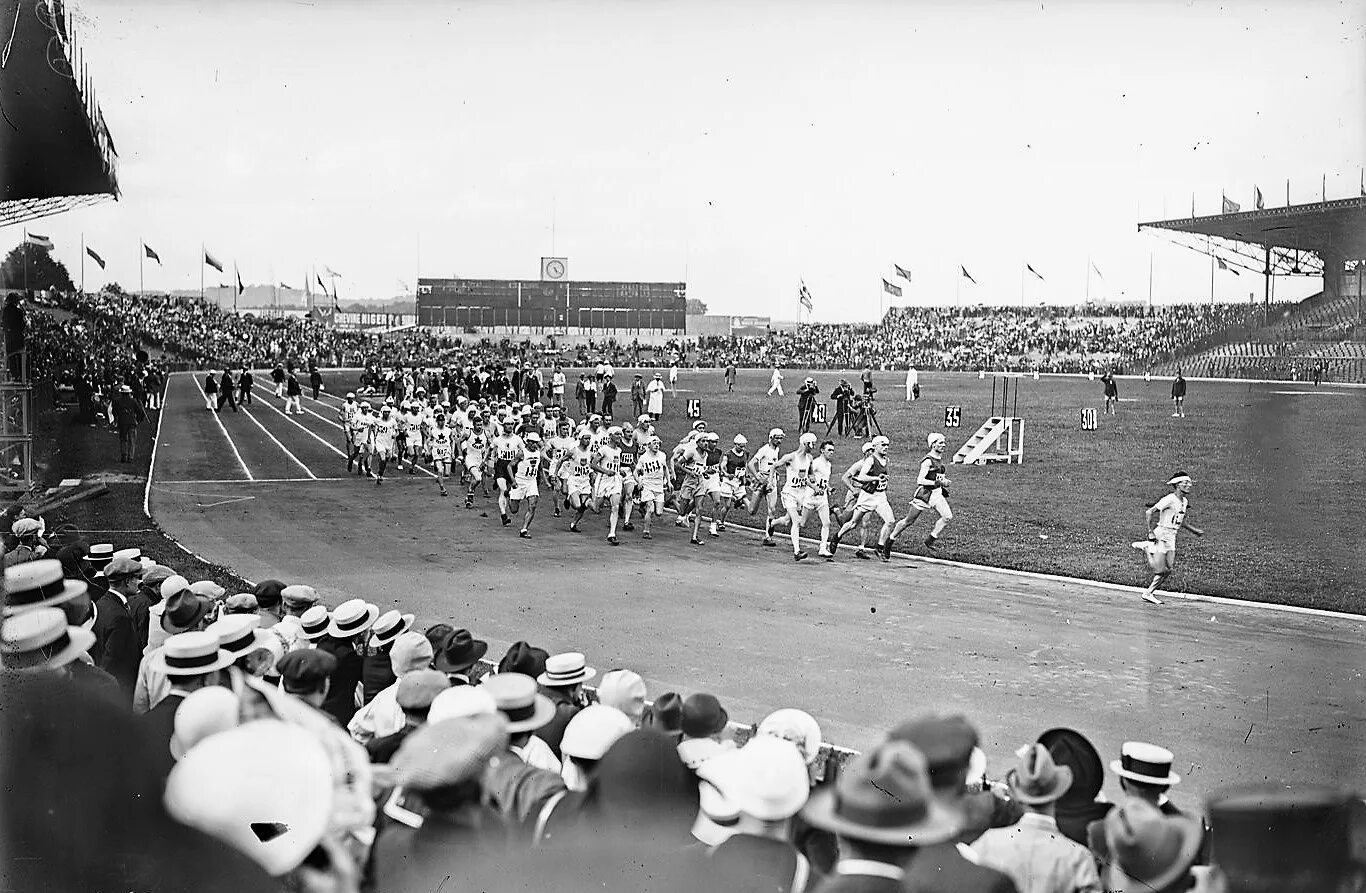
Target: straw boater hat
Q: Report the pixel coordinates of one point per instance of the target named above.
(883, 796)
(1145, 763)
(100, 554)
(1037, 779)
(239, 635)
(564, 670)
(524, 708)
(38, 584)
(191, 654)
(314, 622)
(352, 618)
(40, 639)
(389, 626)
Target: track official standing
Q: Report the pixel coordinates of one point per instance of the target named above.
(245, 381)
(315, 381)
(128, 414)
(293, 395)
(226, 388)
(211, 392)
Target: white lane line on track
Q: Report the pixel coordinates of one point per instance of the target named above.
(430, 474)
(162, 485)
(273, 439)
(245, 470)
(304, 428)
(152, 462)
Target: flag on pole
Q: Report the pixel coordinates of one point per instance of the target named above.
(1096, 270)
(330, 272)
(1257, 198)
(1230, 206)
(152, 254)
(95, 257)
(1034, 271)
(966, 275)
(285, 287)
(889, 288)
(1224, 266)
(902, 272)
(320, 283)
(212, 261)
(39, 241)
(804, 295)
(240, 289)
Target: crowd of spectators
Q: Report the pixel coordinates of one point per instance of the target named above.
(167, 734)
(1049, 339)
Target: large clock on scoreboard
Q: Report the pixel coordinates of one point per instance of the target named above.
(554, 269)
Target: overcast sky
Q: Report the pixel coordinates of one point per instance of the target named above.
(741, 145)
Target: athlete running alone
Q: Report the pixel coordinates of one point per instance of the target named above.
(1160, 546)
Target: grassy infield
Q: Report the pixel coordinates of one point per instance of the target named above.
(1280, 478)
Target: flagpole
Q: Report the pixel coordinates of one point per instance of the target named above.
(142, 288)
(26, 261)
(1150, 279)
(82, 261)
(1022, 272)
(1088, 276)
(1210, 248)
(202, 264)
(238, 277)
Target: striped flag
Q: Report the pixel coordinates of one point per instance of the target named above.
(804, 295)
(212, 261)
(1224, 266)
(902, 272)
(1034, 271)
(95, 257)
(1230, 206)
(38, 241)
(889, 288)
(966, 274)
(150, 253)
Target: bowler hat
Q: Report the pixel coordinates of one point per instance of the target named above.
(703, 716)
(184, 610)
(459, 651)
(523, 657)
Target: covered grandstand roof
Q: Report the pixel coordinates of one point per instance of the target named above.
(57, 152)
(1337, 226)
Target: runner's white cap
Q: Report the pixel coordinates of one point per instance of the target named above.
(532, 437)
(350, 395)
(1179, 478)
(776, 432)
(867, 448)
(935, 438)
(614, 431)
(880, 440)
(741, 440)
(808, 437)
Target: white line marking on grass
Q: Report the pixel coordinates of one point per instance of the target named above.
(164, 485)
(229, 500)
(152, 462)
(245, 470)
(273, 439)
(1312, 393)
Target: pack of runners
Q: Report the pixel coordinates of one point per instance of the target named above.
(515, 452)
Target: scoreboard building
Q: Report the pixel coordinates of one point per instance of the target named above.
(552, 305)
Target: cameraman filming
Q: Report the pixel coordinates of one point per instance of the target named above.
(806, 403)
(842, 394)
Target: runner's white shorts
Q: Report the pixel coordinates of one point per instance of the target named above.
(711, 486)
(876, 503)
(936, 502)
(443, 467)
(475, 466)
(580, 486)
(608, 485)
(798, 500)
(733, 488)
(1164, 540)
(523, 492)
(655, 496)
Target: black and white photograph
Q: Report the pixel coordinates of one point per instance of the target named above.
(821, 447)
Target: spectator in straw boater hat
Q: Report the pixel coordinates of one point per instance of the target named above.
(1145, 772)
(562, 682)
(241, 636)
(527, 713)
(192, 661)
(40, 639)
(1150, 851)
(183, 612)
(38, 584)
(313, 626)
(1033, 852)
(345, 641)
(376, 674)
(382, 715)
(884, 812)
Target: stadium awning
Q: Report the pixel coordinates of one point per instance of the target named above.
(1336, 227)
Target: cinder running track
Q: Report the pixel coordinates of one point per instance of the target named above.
(1239, 693)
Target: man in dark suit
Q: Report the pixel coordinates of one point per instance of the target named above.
(944, 867)
(128, 414)
(113, 627)
(244, 385)
(227, 390)
(885, 814)
(345, 641)
(191, 661)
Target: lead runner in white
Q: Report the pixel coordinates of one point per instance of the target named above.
(1160, 546)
